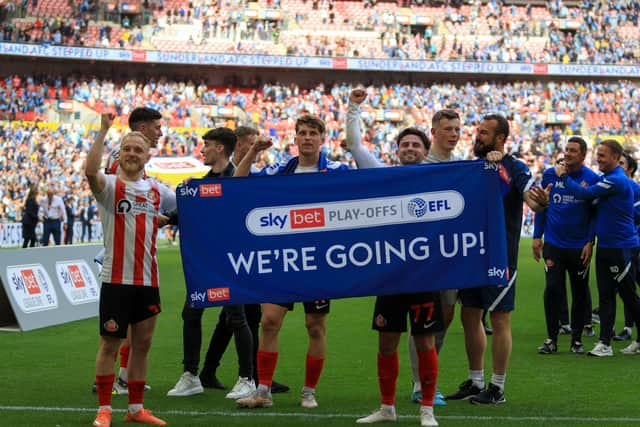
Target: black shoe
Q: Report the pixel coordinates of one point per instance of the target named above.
(492, 395)
(595, 315)
(577, 347)
(94, 388)
(466, 391)
(548, 347)
(488, 330)
(623, 336)
(589, 332)
(279, 388)
(211, 381)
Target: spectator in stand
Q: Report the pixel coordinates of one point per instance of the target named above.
(86, 218)
(52, 214)
(71, 217)
(30, 218)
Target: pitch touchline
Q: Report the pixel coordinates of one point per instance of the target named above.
(252, 413)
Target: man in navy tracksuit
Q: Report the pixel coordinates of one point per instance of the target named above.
(629, 165)
(617, 240)
(568, 229)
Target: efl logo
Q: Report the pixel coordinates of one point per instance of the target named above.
(30, 282)
(76, 276)
(210, 190)
(307, 218)
(218, 294)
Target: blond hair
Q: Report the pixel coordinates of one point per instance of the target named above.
(135, 134)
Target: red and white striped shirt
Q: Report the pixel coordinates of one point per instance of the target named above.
(129, 213)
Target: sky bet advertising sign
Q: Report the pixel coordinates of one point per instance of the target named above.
(314, 236)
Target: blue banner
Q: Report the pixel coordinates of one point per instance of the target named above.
(315, 236)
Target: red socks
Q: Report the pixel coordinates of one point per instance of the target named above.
(428, 369)
(314, 367)
(136, 391)
(124, 356)
(387, 377)
(266, 366)
(104, 387)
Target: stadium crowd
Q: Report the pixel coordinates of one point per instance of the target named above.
(596, 32)
(56, 152)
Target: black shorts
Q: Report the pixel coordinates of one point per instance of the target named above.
(424, 310)
(124, 305)
(491, 298)
(320, 306)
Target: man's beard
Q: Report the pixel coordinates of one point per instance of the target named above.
(481, 150)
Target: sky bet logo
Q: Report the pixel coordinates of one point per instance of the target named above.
(218, 294)
(210, 190)
(300, 218)
(205, 190)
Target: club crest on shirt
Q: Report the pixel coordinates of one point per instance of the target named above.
(111, 325)
(584, 184)
(153, 195)
(504, 175)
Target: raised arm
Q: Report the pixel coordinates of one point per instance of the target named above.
(94, 158)
(363, 157)
(244, 167)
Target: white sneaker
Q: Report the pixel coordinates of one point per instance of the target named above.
(308, 398)
(120, 387)
(384, 414)
(601, 350)
(427, 419)
(187, 385)
(243, 388)
(633, 348)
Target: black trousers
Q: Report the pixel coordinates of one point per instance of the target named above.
(86, 231)
(51, 226)
(559, 262)
(616, 272)
(564, 308)
(222, 336)
(68, 235)
(29, 235)
(232, 322)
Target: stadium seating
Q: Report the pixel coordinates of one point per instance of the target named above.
(532, 33)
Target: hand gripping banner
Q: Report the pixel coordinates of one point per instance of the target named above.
(314, 236)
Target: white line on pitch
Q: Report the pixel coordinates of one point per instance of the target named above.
(326, 415)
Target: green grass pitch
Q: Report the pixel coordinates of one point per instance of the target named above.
(46, 375)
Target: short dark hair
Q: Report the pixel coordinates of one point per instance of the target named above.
(415, 131)
(446, 113)
(503, 125)
(242, 131)
(142, 115)
(613, 146)
(311, 121)
(224, 136)
(632, 163)
(580, 141)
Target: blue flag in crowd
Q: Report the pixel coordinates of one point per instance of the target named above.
(314, 236)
